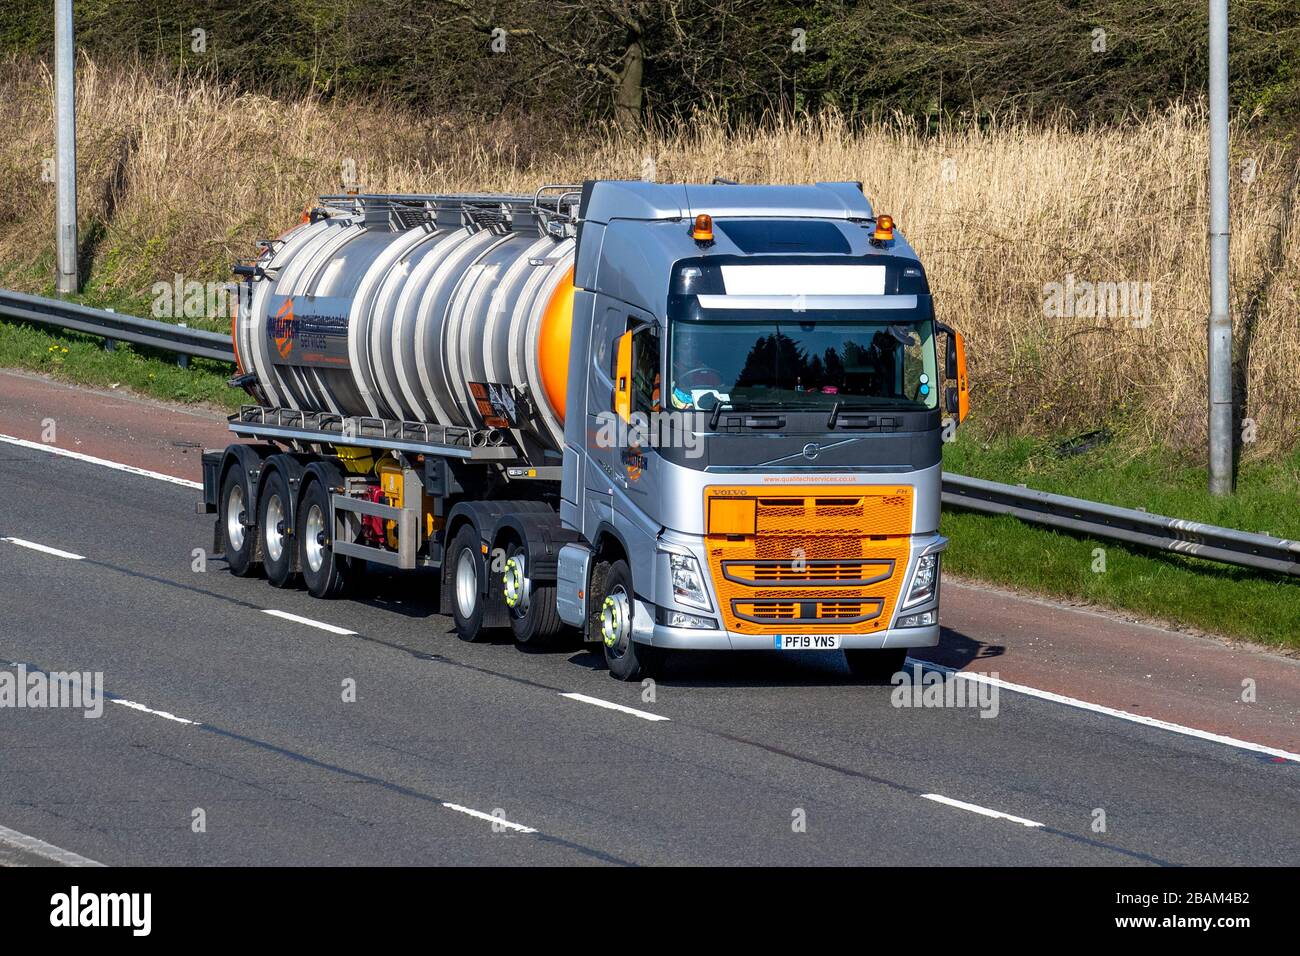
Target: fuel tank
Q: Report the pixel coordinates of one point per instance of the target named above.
(454, 310)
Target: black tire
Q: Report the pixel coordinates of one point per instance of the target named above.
(325, 574)
(242, 558)
(274, 532)
(535, 617)
(876, 665)
(465, 558)
(626, 659)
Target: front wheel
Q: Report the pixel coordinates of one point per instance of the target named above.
(611, 621)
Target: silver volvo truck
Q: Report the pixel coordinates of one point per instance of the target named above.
(673, 417)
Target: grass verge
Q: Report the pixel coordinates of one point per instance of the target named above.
(83, 360)
(1202, 595)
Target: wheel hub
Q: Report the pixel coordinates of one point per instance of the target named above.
(235, 510)
(466, 584)
(275, 528)
(515, 585)
(314, 542)
(616, 619)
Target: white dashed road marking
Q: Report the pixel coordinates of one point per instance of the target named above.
(975, 808)
(149, 710)
(609, 705)
(44, 549)
(285, 615)
(499, 821)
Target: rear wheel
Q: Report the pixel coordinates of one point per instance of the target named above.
(325, 574)
(468, 571)
(534, 615)
(610, 619)
(275, 532)
(876, 665)
(237, 525)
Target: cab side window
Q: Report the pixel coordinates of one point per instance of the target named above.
(645, 370)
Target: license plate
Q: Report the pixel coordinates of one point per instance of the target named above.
(807, 642)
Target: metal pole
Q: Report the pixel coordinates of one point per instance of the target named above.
(1220, 324)
(65, 144)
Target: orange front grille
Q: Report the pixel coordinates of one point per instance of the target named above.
(808, 558)
(807, 613)
(807, 573)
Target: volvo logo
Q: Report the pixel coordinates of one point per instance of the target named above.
(812, 450)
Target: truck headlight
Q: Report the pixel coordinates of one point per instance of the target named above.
(925, 579)
(688, 582)
(675, 618)
(924, 619)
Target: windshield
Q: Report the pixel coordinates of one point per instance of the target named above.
(868, 359)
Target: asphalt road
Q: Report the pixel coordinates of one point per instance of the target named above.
(762, 760)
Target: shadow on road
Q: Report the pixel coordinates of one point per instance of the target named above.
(415, 595)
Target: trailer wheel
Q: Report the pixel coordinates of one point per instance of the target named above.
(274, 531)
(610, 621)
(534, 615)
(325, 574)
(237, 528)
(468, 571)
(875, 665)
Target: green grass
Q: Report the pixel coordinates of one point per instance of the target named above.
(83, 360)
(1204, 595)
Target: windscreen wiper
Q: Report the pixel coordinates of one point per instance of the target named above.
(842, 406)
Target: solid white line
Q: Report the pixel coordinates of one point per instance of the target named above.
(45, 549)
(149, 710)
(309, 622)
(45, 850)
(91, 459)
(974, 808)
(1112, 712)
(499, 821)
(644, 715)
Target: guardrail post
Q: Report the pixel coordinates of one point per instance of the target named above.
(182, 359)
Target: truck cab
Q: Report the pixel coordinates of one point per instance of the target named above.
(756, 463)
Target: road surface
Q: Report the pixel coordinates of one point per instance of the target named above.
(228, 738)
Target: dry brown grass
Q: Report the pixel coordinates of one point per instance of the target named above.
(183, 177)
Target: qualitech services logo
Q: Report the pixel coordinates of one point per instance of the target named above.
(75, 909)
(282, 329)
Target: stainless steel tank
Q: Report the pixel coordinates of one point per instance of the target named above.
(418, 308)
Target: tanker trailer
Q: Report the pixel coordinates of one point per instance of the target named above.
(666, 416)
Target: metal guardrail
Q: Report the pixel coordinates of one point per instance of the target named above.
(117, 327)
(1092, 518)
(1097, 520)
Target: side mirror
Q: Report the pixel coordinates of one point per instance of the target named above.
(623, 377)
(957, 396)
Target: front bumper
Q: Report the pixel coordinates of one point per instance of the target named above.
(690, 639)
